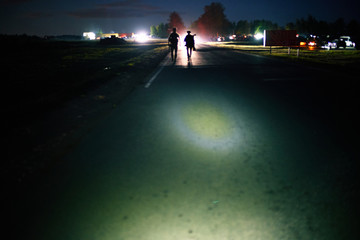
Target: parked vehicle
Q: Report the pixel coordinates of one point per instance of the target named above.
(340, 43)
(310, 42)
(313, 42)
(306, 41)
(328, 42)
(336, 42)
(347, 40)
(328, 45)
(343, 42)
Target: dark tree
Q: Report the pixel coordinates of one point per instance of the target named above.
(258, 26)
(175, 21)
(323, 28)
(338, 26)
(311, 24)
(290, 26)
(353, 28)
(153, 31)
(213, 21)
(307, 26)
(242, 27)
(160, 31)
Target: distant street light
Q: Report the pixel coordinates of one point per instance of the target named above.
(259, 36)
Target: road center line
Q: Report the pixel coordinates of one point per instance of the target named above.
(162, 65)
(284, 79)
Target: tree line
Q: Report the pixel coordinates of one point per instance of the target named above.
(213, 23)
(311, 25)
(163, 29)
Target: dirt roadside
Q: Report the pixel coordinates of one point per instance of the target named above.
(40, 144)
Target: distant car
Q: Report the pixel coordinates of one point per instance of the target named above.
(313, 43)
(342, 42)
(302, 41)
(347, 41)
(328, 43)
(308, 42)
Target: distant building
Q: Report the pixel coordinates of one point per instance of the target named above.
(117, 35)
(89, 36)
(109, 35)
(93, 36)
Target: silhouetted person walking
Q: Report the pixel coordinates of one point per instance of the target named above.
(189, 43)
(173, 43)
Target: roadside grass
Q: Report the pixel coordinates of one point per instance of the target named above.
(342, 58)
(41, 74)
(41, 77)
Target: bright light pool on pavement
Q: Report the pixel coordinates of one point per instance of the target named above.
(209, 124)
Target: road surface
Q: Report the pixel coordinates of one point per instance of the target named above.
(225, 146)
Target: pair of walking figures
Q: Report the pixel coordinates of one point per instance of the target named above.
(173, 43)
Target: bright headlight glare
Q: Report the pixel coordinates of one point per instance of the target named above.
(259, 36)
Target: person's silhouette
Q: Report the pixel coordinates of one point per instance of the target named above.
(189, 43)
(173, 43)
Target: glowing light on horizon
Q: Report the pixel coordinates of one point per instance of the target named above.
(141, 37)
(259, 36)
(89, 35)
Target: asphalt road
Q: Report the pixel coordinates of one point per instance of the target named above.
(225, 146)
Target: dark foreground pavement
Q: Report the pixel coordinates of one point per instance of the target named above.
(225, 146)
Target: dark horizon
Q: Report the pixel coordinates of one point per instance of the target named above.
(38, 17)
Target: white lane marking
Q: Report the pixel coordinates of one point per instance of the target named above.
(162, 65)
(283, 79)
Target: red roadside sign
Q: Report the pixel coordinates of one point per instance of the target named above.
(280, 38)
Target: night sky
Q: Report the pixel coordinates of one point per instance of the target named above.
(58, 17)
